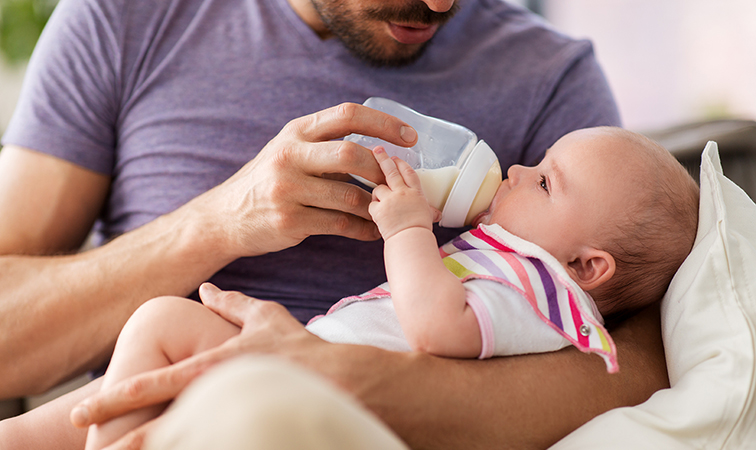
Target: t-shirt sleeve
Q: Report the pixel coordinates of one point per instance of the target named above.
(68, 103)
(508, 324)
(574, 95)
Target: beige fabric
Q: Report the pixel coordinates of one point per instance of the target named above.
(264, 403)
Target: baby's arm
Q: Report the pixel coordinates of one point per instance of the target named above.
(161, 332)
(429, 300)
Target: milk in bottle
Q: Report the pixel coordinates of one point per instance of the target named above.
(458, 173)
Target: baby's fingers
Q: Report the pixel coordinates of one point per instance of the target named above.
(390, 170)
(409, 176)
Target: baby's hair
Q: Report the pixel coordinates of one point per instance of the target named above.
(653, 238)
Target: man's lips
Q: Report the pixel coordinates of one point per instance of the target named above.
(412, 33)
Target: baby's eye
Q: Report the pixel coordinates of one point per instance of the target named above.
(543, 184)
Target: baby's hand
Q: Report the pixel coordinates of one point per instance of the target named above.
(400, 203)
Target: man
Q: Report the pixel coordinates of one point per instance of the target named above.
(159, 120)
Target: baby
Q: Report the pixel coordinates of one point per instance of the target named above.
(614, 210)
(596, 230)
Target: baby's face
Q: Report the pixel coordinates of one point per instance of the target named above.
(562, 203)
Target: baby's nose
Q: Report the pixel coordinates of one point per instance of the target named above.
(514, 172)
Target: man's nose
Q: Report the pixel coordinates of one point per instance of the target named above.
(439, 5)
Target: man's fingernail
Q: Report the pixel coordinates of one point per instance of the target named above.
(408, 134)
(208, 289)
(80, 416)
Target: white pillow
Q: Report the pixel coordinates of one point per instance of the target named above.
(708, 326)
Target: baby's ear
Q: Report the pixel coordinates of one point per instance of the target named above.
(592, 268)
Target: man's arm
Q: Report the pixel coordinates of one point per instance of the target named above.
(48, 205)
(60, 315)
(520, 402)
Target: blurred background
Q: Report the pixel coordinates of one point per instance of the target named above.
(21, 21)
(669, 62)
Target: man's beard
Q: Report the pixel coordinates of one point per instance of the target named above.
(359, 30)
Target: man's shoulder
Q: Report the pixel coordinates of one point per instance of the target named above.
(508, 19)
(513, 37)
(148, 13)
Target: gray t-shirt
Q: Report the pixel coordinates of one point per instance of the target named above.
(171, 97)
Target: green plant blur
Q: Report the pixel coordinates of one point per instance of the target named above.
(21, 22)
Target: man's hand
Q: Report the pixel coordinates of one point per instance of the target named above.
(265, 326)
(289, 191)
(400, 203)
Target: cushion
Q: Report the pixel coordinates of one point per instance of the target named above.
(708, 317)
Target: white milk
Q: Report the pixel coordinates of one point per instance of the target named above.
(437, 184)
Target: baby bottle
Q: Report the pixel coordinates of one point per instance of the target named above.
(458, 173)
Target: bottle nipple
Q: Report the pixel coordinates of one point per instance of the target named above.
(474, 188)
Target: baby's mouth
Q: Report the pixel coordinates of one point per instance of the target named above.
(477, 220)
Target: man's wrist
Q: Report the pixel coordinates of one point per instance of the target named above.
(197, 238)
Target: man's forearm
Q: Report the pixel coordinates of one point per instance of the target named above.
(60, 315)
(518, 402)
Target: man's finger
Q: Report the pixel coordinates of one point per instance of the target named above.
(316, 221)
(320, 158)
(243, 311)
(328, 222)
(335, 195)
(347, 118)
(230, 305)
(149, 388)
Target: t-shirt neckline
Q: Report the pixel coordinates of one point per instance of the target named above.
(330, 46)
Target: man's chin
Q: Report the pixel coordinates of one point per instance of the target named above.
(399, 55)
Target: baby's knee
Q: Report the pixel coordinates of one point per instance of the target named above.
(155, 313)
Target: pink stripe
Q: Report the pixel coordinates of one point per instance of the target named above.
(578, 320)
(487, 341)
(378, 292)
(522, 274)
(315, 318)
(478, 233)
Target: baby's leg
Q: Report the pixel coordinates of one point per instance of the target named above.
(47, 426)
(161, 332)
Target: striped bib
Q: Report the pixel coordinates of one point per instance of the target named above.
(492, 253)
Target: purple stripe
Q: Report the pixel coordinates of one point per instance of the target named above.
(487, 263)
(462, 244)
(551, 295)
